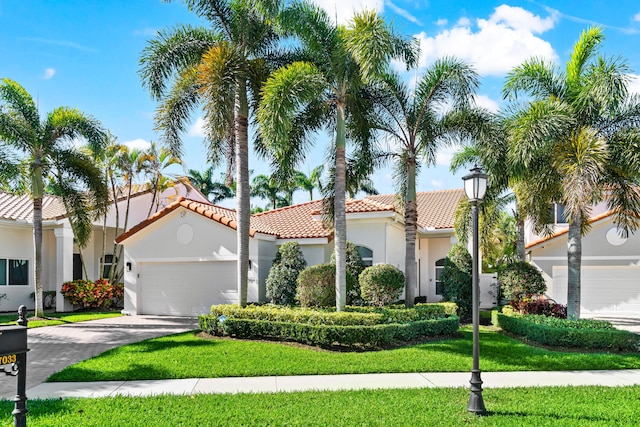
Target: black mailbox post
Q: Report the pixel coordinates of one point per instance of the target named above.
(13, 351)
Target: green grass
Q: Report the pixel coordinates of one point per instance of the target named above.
(187, 356)
(54, 319)
(545, 406)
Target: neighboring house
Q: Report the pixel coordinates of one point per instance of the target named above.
(61, 256)
(182, 260)
(610, 273)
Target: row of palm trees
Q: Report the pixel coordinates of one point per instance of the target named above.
(41, 156)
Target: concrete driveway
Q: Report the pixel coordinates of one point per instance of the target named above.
(53, 348)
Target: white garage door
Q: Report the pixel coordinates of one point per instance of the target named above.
(186, 288)
(605, 291)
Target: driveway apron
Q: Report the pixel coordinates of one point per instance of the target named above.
(53, 348)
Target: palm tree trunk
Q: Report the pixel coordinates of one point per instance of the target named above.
(410, 227)
(37, 241)
(574, 261)
(520, 246)
(243, 201)
(340, 217)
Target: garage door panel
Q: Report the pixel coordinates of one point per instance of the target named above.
(604, 290)
(186, 288)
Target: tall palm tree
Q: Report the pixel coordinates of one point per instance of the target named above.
(578, 140)
(221, 69)
(419, 123)
(48, 145)
(327, 91)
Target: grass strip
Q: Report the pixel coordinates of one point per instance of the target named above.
(545, 406)
(188, 356)
(53, 319)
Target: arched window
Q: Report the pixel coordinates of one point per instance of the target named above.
(439, 282)
(366, 254)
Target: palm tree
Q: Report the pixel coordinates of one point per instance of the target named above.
(266, 187)
(311, 182)
(214, 190)
(48, 144)
(578, 140)
(153, 162)
(419, 123)
(326, 91)
(218, 68)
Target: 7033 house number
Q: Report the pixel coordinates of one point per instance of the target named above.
(10, 358)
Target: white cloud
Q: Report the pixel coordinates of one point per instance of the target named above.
(344, 9)
(634, 83)
(403, 12)
(442, 22)
(197, 129)
(48, 73)
(437, 183)
(146, 32)
(445, 155)
(636, 17)
(486, 102)
(498, 44)
(139, 144)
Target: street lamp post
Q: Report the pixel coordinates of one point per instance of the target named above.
(475, 186)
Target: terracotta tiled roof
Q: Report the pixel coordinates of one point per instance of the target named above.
(20, 207)
(217, 213)
(436, 209)
(292, 222)
(564, 231)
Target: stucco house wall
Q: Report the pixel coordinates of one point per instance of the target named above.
(16, 242)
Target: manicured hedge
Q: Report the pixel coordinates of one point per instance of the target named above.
(584, 333)
(326, 335)
(364, 326)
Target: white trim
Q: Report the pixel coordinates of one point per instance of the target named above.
(188, 259)
(370, 215)
(265, 236)
(588, 258)
(304, 241)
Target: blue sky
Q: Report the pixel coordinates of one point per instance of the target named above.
(84, 54)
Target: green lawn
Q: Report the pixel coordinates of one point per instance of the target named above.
(546, 406)
(59, 318)
(187, 356)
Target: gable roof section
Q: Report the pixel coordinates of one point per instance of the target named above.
(592, 220)
(436, 209)
(20, 207)
(292, 222)
(217, 213)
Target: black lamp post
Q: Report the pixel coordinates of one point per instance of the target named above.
(475, 186)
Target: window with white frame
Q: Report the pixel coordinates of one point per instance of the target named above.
(439, 282)
(14, 272)
(109, 260)
(366, 254)
(557, 214)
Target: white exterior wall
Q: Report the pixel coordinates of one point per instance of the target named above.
(373, 235)
(16, 242)
(431, 250)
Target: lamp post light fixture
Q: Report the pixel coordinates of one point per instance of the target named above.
(475, 186)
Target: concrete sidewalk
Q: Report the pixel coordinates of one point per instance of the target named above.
(274, 384)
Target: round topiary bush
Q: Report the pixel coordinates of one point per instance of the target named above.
(354, 268)
(283, 275)
(457, 278)
(521, 280)
(317, 286)
(381, 284)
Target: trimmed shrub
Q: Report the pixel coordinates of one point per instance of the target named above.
(350, 335)
(354, 267)
(88, 294)
(457, 279)
(521, 280)
(381, 284)
(283, 275)
(583, 333)
(317, 286)
(541, 306)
